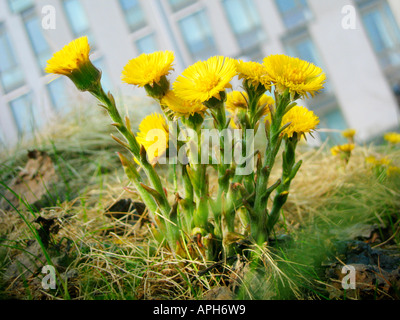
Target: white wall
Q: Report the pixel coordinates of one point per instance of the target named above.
(358, 81)
(395, 6)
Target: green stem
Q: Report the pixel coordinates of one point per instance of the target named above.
(259, 218)
(136, 179)
(134, 146)
(289, 171)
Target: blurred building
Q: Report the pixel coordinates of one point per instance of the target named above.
(357, 43)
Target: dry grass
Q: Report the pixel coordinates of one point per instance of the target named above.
(115, 259)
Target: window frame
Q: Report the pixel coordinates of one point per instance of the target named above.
(176, 8)
(369, 6)
(85, 32)
(152, 34)
(307, 15)
(28, 15)
(256, 27)
(140, 24)
(15, 65)
(200, 55)
(34, 123)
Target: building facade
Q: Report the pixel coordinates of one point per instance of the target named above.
(357, 43)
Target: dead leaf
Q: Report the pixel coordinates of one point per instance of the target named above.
(219, 293)
(34, 181)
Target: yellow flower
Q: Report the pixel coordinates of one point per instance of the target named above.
(237, 100)
(148, 69)
(182, 107)
(255, 73)
(71, 57)
(73, 61)
(345, 148)
(393, 171)
(349, 133)
(265, 102)
(153, 135)
(205, 79)
(300, 77)
(301, 121)
(392, 137)
(378, 162)
(370, 160)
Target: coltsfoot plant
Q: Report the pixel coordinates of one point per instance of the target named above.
(200, 219)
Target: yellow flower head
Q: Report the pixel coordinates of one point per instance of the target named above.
(255, 73)
(73, 61)
(153, 135)
(378, 162)
(266, 102)
(349, 133)
(301, 121)
(393, 171)
(205, 79)
(345, 148)
(370, 160)
(182, 107)
(392, 137)
(148, 69)
(237, 100)
(300, 77)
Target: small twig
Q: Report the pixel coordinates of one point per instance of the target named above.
(215, 265)
(383, 243)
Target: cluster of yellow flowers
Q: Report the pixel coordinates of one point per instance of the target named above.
(202, 89)
(392, 137)
(203, 81)
(345, 148)
(349, 134)
(379, 165)
(383, 164)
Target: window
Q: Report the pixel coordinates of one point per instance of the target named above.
(38, 42)
(134, 14)
(245, 22)
(383, 31)
(58, 94)
(294, 12)
(198, 36)
(78, 20)
(17, 6)
(24, 114)
(11, 76)
(147, 44)
(179, 4)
